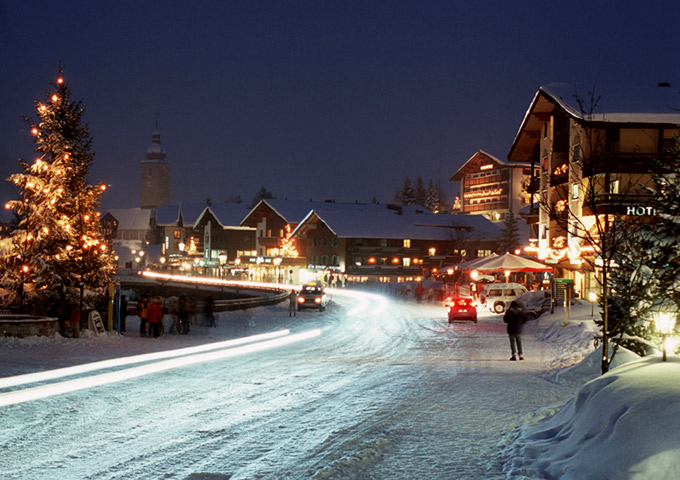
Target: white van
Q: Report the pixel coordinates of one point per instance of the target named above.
(498, 295)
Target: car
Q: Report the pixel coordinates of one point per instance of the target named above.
(312, 296)
(498, 295)
(535, 303)
(462, 309)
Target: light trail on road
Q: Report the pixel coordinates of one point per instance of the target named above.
(119, 362)
(29, 394)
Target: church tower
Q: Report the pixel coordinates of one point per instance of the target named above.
(155, 184)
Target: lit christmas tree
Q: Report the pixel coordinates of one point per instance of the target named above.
(57, 250)
(288, 244)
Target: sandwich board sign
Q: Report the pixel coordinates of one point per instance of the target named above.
(94, 322)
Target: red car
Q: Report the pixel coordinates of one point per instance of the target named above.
(462, 309)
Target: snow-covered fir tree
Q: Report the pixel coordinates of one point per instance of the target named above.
(433, 201)
(57, 250)
(509, 234)
(420, 192)
(407, 194)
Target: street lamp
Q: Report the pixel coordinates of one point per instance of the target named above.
(664, 314)
(592, 296)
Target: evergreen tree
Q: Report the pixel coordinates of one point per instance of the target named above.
(261, 194)
(420, 192)
(509, 234)
(57, 248)
(407, 194)
(433, 201)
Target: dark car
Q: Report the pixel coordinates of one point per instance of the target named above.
(535, 303)
(312, 296)
(462, 309)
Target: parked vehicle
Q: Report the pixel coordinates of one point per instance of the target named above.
(498, 295)
(312, 296)
(535, 303)
(462, 309)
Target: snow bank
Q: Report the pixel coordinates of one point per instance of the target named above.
(621, 425)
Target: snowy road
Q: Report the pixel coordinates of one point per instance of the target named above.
(386, 391)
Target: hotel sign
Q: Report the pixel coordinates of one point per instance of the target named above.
(640, 210)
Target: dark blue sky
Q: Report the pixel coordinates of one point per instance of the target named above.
(313, 99)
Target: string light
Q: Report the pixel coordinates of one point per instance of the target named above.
(55, 98)
(60, 80)
(34, 131)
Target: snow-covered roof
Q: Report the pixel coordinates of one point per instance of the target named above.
(169, 214)
(658, 106)
(132, 218)
(376, 221)
(482, 156)
(227, 214)
(294, 211)
(619, 104)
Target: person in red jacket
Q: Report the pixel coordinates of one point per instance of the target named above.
(155, 317)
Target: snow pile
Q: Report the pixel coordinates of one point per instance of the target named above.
(621, 425)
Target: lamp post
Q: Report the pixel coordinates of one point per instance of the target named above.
(664, 314)
(592, 296)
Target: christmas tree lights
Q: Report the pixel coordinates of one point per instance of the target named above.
(57, 224)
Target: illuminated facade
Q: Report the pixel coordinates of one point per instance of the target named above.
(492, 187)
(589, 164)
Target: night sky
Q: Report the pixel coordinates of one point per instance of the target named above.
(313, 99)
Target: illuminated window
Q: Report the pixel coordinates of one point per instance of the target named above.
(177, 234)
(432, 251)
(614, 187)
(407, 243)
(407, 262)
(574, 190)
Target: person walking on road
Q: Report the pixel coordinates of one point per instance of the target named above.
(292, 303)
(515, 318)
(155, 317)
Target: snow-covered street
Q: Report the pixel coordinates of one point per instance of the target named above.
(387, 390)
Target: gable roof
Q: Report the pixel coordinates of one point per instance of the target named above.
(472, 164)
(647, 106)
(132, 218)
(376, 221)
(226, 214)
(294, 211)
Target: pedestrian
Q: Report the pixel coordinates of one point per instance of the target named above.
(209, 310)
(142, 311)
(123, 312)
(155, 317)
(184, 314)
(292, 303)
(515, 318)
(173, 310)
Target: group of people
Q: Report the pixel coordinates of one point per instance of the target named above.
(151, 311)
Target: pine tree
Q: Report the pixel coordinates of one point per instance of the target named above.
(509, 234)
(261, 194)
(407, 194)
(433, 201)
(57, 249)
(420, 192)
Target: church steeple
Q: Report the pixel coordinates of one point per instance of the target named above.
(155, 181)
(155, 151)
